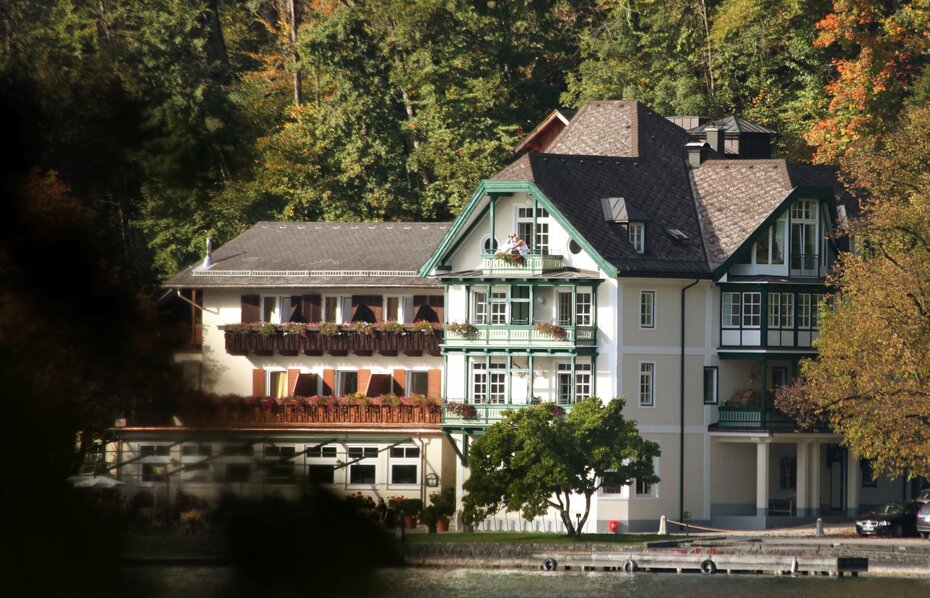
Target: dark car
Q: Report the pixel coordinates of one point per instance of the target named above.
(924, 496)
(923, 520)
(892, 519)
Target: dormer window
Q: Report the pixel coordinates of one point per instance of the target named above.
(637, 232)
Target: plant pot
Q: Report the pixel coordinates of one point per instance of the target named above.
(410, 522)
(442, 524)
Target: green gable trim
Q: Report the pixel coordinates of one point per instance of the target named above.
(820, 193)
(499, 188)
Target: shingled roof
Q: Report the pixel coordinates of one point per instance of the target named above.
(624, 149)
(301, 254)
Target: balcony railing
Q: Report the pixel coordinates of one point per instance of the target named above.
(338, 414)
(456, 413)
(314, 342)
(805, 265)
(751, 417)
(531, 264)
(493, 335)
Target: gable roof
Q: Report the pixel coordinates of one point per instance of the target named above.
(302, 254)
(734, 124)
(547, 130)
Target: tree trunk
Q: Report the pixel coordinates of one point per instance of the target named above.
(298, 94)
(216, 41)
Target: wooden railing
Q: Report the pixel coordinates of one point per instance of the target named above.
(338, 414)
(751, 417)
(523, 336)
(313, 342)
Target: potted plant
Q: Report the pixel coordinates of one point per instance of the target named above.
(441, 508)
(409, 509)
(463, 329)
(553, 330)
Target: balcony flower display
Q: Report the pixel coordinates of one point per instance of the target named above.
(553, 330)
(465, 330)
(362, 327)
(463, 410)
(426, 327)
(514, 259)
(391, 327)
(329, 328)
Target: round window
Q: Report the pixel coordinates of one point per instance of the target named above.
(574, 247)
(490, 245)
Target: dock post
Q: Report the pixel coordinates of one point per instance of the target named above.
(819, 527)
(663, 531)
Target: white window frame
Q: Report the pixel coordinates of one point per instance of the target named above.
(408, 375)
(623, 494)
(731, 311)
(584, 307)
(329, 455)
(343, 309)
(647, 309)
(480, 314)
(268, 454)
(637, 236)
(564, 298)
(584, 375)
(196, 464)
(647, 368)
(486, 244)
(150, 462)
(402, 308)
(479, 383)
(339, 381)
(278, 308)
(652, 490)
(781, 311)
(369, 460)
(524, 215)
(404, 460)
(499, 306)
(748, 314)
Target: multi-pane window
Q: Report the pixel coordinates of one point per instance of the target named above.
(365, 469)
(647, 397)
(612, 483)
(647, 309)
(405, 465)
(520, 305)
(238, 450)
(583, 308)
(804, 239)
(499, 304)
(731, 310)
(752, 310)
(808, 306)
(781, 310)
(582, 381)
(769, 248)
(564, 383)
(489, 386)
(392, 309)
(322, 464)
(155, 450)
(643, 488)
(637, 236)
(710, 386)
(480, 301)
(195, 459)
(279, 464)
(539, 243)
(416, 383)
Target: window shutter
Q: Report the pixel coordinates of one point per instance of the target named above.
(434, 383)
(292, 376)
(329, 382)
(399, 379)
(258, 382)
(250, 309)
(311, 308)
(364, 376)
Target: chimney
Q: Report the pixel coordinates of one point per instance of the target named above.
(715, 139)
(697, 153)
(208, 259)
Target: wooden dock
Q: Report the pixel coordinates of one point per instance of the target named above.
(707, 562)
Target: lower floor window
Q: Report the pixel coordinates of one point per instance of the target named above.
(238, 472)
(362, 474)
(154, 472)
(321, 473)
(404, 474)
(612, 483)
(581, 386)
(647, 396)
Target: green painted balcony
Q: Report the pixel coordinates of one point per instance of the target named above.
(523, 336)
(751, 418)
(532, 264)
(468, 414)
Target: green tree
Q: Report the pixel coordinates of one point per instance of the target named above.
(538, 458)
(870, 379)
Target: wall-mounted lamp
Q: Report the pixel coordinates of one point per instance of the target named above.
(432, 480)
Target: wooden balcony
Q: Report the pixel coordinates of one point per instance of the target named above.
(337, 414)
(343, 342)
(751, 418)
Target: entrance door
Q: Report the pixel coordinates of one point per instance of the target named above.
(836, 467)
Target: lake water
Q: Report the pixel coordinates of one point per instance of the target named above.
(196, 582)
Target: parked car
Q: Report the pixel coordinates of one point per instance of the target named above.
(923, 520)
(924, 496)
(892, 519)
